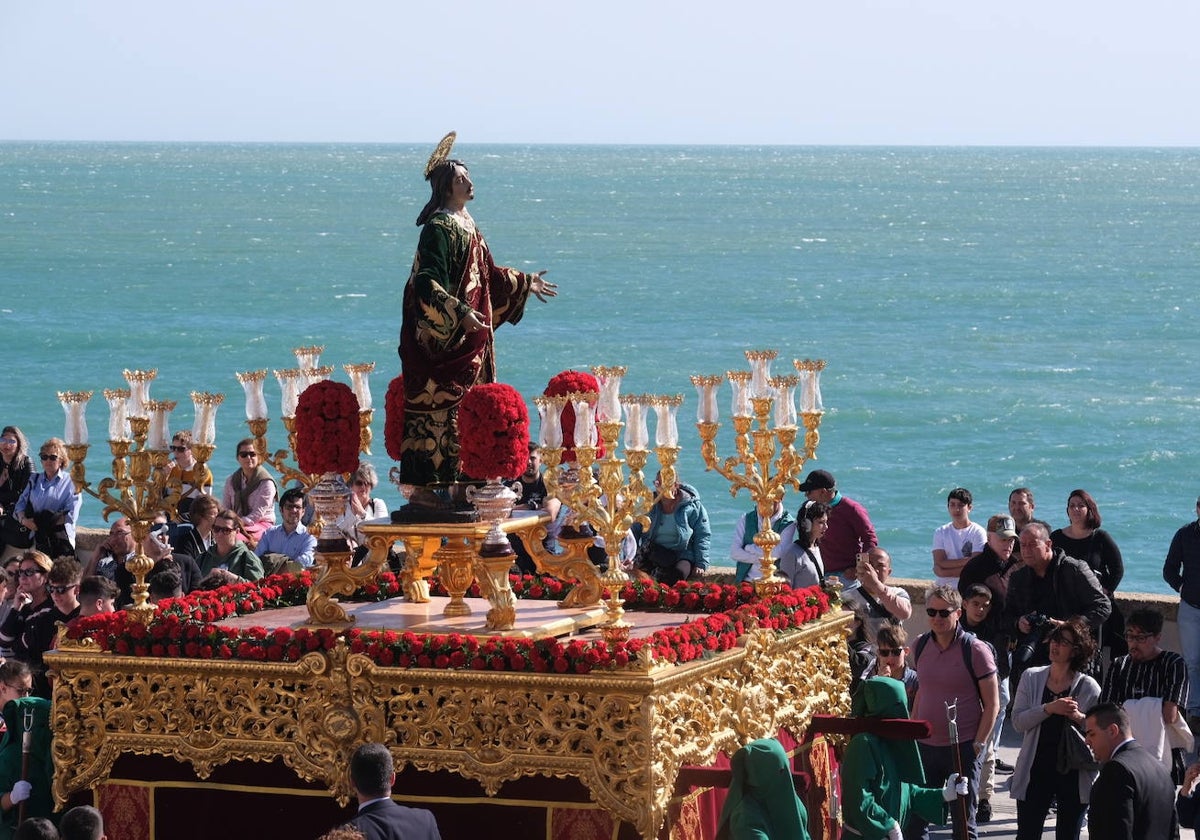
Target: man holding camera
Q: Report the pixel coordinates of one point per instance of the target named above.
(1044, 592)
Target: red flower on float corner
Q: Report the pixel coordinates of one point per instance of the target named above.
(493, 432)
(574, 382)
(327, 429)
(393, 420)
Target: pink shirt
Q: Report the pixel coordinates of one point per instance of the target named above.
(943, 677)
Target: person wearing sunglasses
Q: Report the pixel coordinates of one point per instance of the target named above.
(63, 586)
(32, 599)
(1050, 698)
(889, 659)
(15, 471)
(250, 492)
(229, 560)
(360, 507)
(49, 505)
(956, 668)
(195, 479)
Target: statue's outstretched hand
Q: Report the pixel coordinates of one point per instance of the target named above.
(543, 288)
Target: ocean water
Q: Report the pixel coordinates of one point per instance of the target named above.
(991, 317)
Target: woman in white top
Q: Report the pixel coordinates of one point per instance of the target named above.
(360, 508)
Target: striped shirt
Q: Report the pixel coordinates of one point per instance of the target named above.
(1163, 676)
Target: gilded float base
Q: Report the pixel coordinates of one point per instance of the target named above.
(622, 735)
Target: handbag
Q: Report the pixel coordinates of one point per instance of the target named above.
(1073, 751)
(13, 534)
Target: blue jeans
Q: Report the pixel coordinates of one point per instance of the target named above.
(988, 774)
(1189, 644)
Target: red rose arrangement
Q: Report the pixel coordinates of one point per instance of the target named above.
(393, 421)
(493, 432)
(185, 627)
(573, 382)
(327, 429)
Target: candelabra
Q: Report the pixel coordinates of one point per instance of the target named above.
(292, 382)
(755, 467)
(140, 485)
(604, 498)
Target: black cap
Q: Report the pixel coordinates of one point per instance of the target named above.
(818, 480)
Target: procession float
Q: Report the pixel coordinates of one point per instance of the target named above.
(583, 701)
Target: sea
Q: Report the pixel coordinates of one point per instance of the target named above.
(990, 317)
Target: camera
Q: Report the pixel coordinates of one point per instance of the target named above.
(1026, 648)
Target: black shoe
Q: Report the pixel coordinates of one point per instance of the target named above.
(984, 812)
(1003, 766)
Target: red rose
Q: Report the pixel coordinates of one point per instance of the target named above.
(327, 428)
(493, 432)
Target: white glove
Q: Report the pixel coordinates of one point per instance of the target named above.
(20, 792)
(894, 832)
(955, 786)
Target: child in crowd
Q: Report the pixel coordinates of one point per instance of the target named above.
(890, 659)
(979, 618)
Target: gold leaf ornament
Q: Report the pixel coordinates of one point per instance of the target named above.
(441, 154)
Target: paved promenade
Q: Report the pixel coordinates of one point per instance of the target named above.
(1004, 809)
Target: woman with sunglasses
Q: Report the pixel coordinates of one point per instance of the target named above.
(250, 492)
(360, 508)
(49, 505)
(15, 472)
(228, 560)
(1050, 698)
(33, 599)
(195, 479)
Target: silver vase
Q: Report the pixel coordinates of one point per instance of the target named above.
(494, 501)
(329, 497)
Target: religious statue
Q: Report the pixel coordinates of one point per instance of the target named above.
(455, 299)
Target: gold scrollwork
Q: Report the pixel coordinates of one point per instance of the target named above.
(623, 734)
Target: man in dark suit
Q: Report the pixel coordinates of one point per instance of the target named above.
(379, 818)
(1133, 797)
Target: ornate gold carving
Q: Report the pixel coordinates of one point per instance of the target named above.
(623, 734)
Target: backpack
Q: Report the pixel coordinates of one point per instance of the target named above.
(966, 642)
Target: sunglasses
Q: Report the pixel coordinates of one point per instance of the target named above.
(890, 651)
(175, 448)
(931, 612)
(249, 454)
(219, 529)
(8, 441)
(47, 457)
(60, 590)
(30, 572)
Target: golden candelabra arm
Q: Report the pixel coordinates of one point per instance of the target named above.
(364, 430)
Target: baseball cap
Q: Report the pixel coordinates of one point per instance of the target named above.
(818, 480)
(1003, 525)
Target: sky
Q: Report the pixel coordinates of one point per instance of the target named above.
(862, 72)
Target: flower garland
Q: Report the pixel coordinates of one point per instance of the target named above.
(493, 432)
(327, 428)
(393, 419)
(573, 382)
(185, 627)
